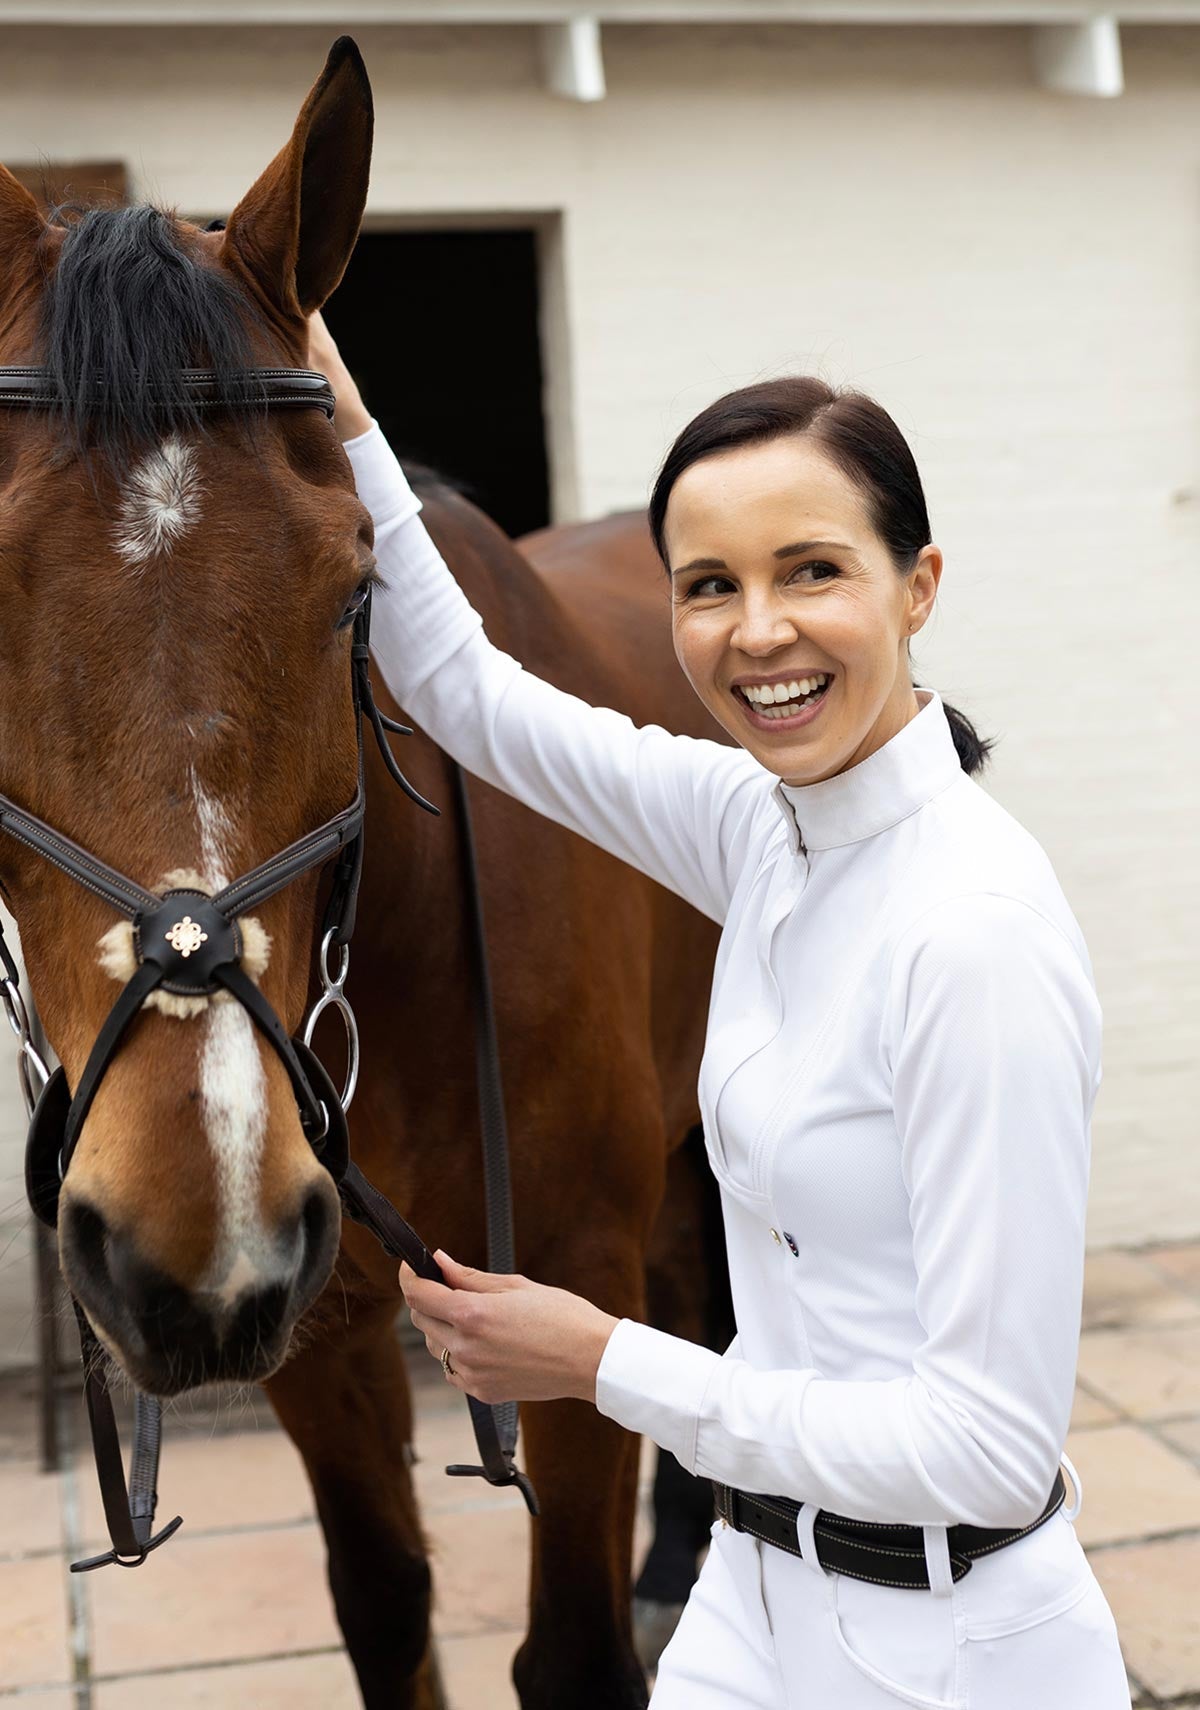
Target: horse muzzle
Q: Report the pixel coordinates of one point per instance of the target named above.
(169, 1337)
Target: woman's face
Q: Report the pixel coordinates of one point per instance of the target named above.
(778, 579)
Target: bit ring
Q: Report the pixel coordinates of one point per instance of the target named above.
(447, 1368)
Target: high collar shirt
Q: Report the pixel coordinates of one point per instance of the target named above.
(901, 1062)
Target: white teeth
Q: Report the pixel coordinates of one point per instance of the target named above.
(773, 694)
(770, 695)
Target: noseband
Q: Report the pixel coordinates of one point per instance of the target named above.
(189, 944)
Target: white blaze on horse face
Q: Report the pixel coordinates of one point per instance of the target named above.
(216, 833)
(233, 1097)
(233, 1101)
(160, 503)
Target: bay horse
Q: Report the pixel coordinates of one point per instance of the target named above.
(174, 604)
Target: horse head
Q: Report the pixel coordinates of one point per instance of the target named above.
(177, 592)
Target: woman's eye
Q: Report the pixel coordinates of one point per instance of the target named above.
(822, 571)
(357, 601)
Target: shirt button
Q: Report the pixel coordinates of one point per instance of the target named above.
(777, 1237)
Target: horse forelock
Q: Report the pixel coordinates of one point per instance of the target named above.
(129, 302)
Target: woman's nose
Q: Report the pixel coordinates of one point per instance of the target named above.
(762, 627)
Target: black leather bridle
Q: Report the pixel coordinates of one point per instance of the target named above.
(189, 943)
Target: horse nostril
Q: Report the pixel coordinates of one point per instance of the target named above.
(315, 1220)
(106, 1271)
(153, 1320)
(165, 1312)
(84, 1239)
(319, 1231)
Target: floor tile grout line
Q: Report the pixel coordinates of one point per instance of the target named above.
(1153, 1429)
(31, 1693)
(215, 1665)
(76, 1592)
(1144, 1541)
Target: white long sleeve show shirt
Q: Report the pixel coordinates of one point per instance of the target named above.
(901, 1062)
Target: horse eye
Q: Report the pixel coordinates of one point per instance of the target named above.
(358, 600)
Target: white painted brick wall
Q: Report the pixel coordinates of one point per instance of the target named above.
(1014, 274)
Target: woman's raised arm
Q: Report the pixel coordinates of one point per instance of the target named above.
(673, 806)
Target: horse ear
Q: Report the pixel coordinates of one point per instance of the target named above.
(295, 229)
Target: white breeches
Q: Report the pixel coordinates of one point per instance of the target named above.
(1028, 1628)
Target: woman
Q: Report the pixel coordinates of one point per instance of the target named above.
(902, 1058)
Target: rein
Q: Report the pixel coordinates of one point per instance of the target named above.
(189, 943)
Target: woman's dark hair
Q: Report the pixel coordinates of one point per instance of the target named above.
(865, 444)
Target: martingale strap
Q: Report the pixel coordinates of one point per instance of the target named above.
(57, 1116)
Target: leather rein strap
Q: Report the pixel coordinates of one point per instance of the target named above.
(189, 943)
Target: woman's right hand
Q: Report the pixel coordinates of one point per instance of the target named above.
(351, 416)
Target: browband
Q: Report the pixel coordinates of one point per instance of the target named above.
(295, 387)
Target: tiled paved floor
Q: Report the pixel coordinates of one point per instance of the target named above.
(235, 1612)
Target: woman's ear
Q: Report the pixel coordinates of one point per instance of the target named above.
(294, 230)
(923, 581)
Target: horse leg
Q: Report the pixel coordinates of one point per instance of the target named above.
(579, 1647)
(344, 1401)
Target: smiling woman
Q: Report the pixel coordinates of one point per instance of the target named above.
(900, 1066)
(792, 522)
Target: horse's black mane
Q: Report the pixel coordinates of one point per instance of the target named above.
(125, 309)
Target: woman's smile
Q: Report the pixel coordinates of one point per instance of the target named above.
(775, 566)
(784, 702)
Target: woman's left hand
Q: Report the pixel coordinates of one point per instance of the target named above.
(509, 1339)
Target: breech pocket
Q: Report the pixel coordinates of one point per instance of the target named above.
(1027, 1582)
(910, 1643)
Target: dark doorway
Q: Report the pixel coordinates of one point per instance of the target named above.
(440, 329)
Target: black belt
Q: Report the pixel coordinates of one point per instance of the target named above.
(884, 1553)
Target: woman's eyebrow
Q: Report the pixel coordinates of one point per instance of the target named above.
(701, 564)
(791, 551)
(810, 546)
